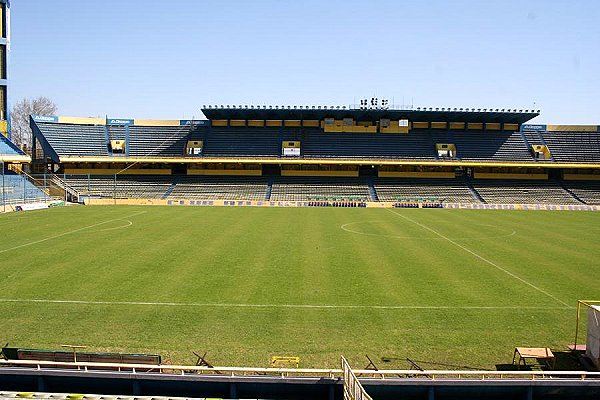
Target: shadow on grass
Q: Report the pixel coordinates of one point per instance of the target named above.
(564, 361)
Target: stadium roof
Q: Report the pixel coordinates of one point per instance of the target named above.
(371, 114)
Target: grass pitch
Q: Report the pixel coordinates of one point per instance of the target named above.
(456, 287)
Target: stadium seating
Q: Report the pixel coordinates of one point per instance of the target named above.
(164, 141)
(586, 191)
(7, 147)
(17, 188)
(573, 146)
(75, 140)
(522, 192)
(125, 186)
(219, 188)
(444, 190)
(316, 144)
(491, 146)
(243, 142)
(320, 189)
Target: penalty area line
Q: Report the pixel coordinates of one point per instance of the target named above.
(70, 232)
(493, 264)
(300, 306)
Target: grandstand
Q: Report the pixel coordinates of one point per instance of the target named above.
(331, 154)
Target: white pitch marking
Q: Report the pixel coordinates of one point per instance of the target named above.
(344, 227)
(69, 232)
(127, 225)
(308, 306)
(493, 264)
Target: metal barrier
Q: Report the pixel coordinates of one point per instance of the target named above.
(326, 373)
(353, 390)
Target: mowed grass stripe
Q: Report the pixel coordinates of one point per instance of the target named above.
(246, 283)
(486, 260)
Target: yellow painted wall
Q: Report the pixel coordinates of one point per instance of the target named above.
(294, 172)
(572, 128)
(310, 123)
(420, 125)
(410, 174)
(394, 128)
(475, 125)
(292, 122)
(256, 122)
(112, 171)
(439, 125)
(273, 122)
(333, 128)
(291, 144)
(487, 175)
(457, 125)
(81, 120)
(237, 122)
(511, 127)
(235, 172)
(218, 122)
(492, 126)
(581, 177)
(3, 127)
(156, 122)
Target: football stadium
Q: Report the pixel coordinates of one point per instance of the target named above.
(357, 251)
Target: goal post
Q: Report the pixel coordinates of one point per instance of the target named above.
(353, 390)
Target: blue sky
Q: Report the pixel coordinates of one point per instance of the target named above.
(165, 59)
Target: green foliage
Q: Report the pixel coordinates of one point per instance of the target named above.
(231, 282)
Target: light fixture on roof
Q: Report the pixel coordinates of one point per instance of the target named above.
(437, 109)
(539, 111)
(343, 107)
(454, 109)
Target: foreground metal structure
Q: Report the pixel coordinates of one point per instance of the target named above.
(291, 383)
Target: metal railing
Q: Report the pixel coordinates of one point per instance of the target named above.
(313, 372)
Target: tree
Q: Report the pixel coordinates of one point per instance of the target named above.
(19, 119)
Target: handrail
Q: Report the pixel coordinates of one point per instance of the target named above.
(320, 372)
